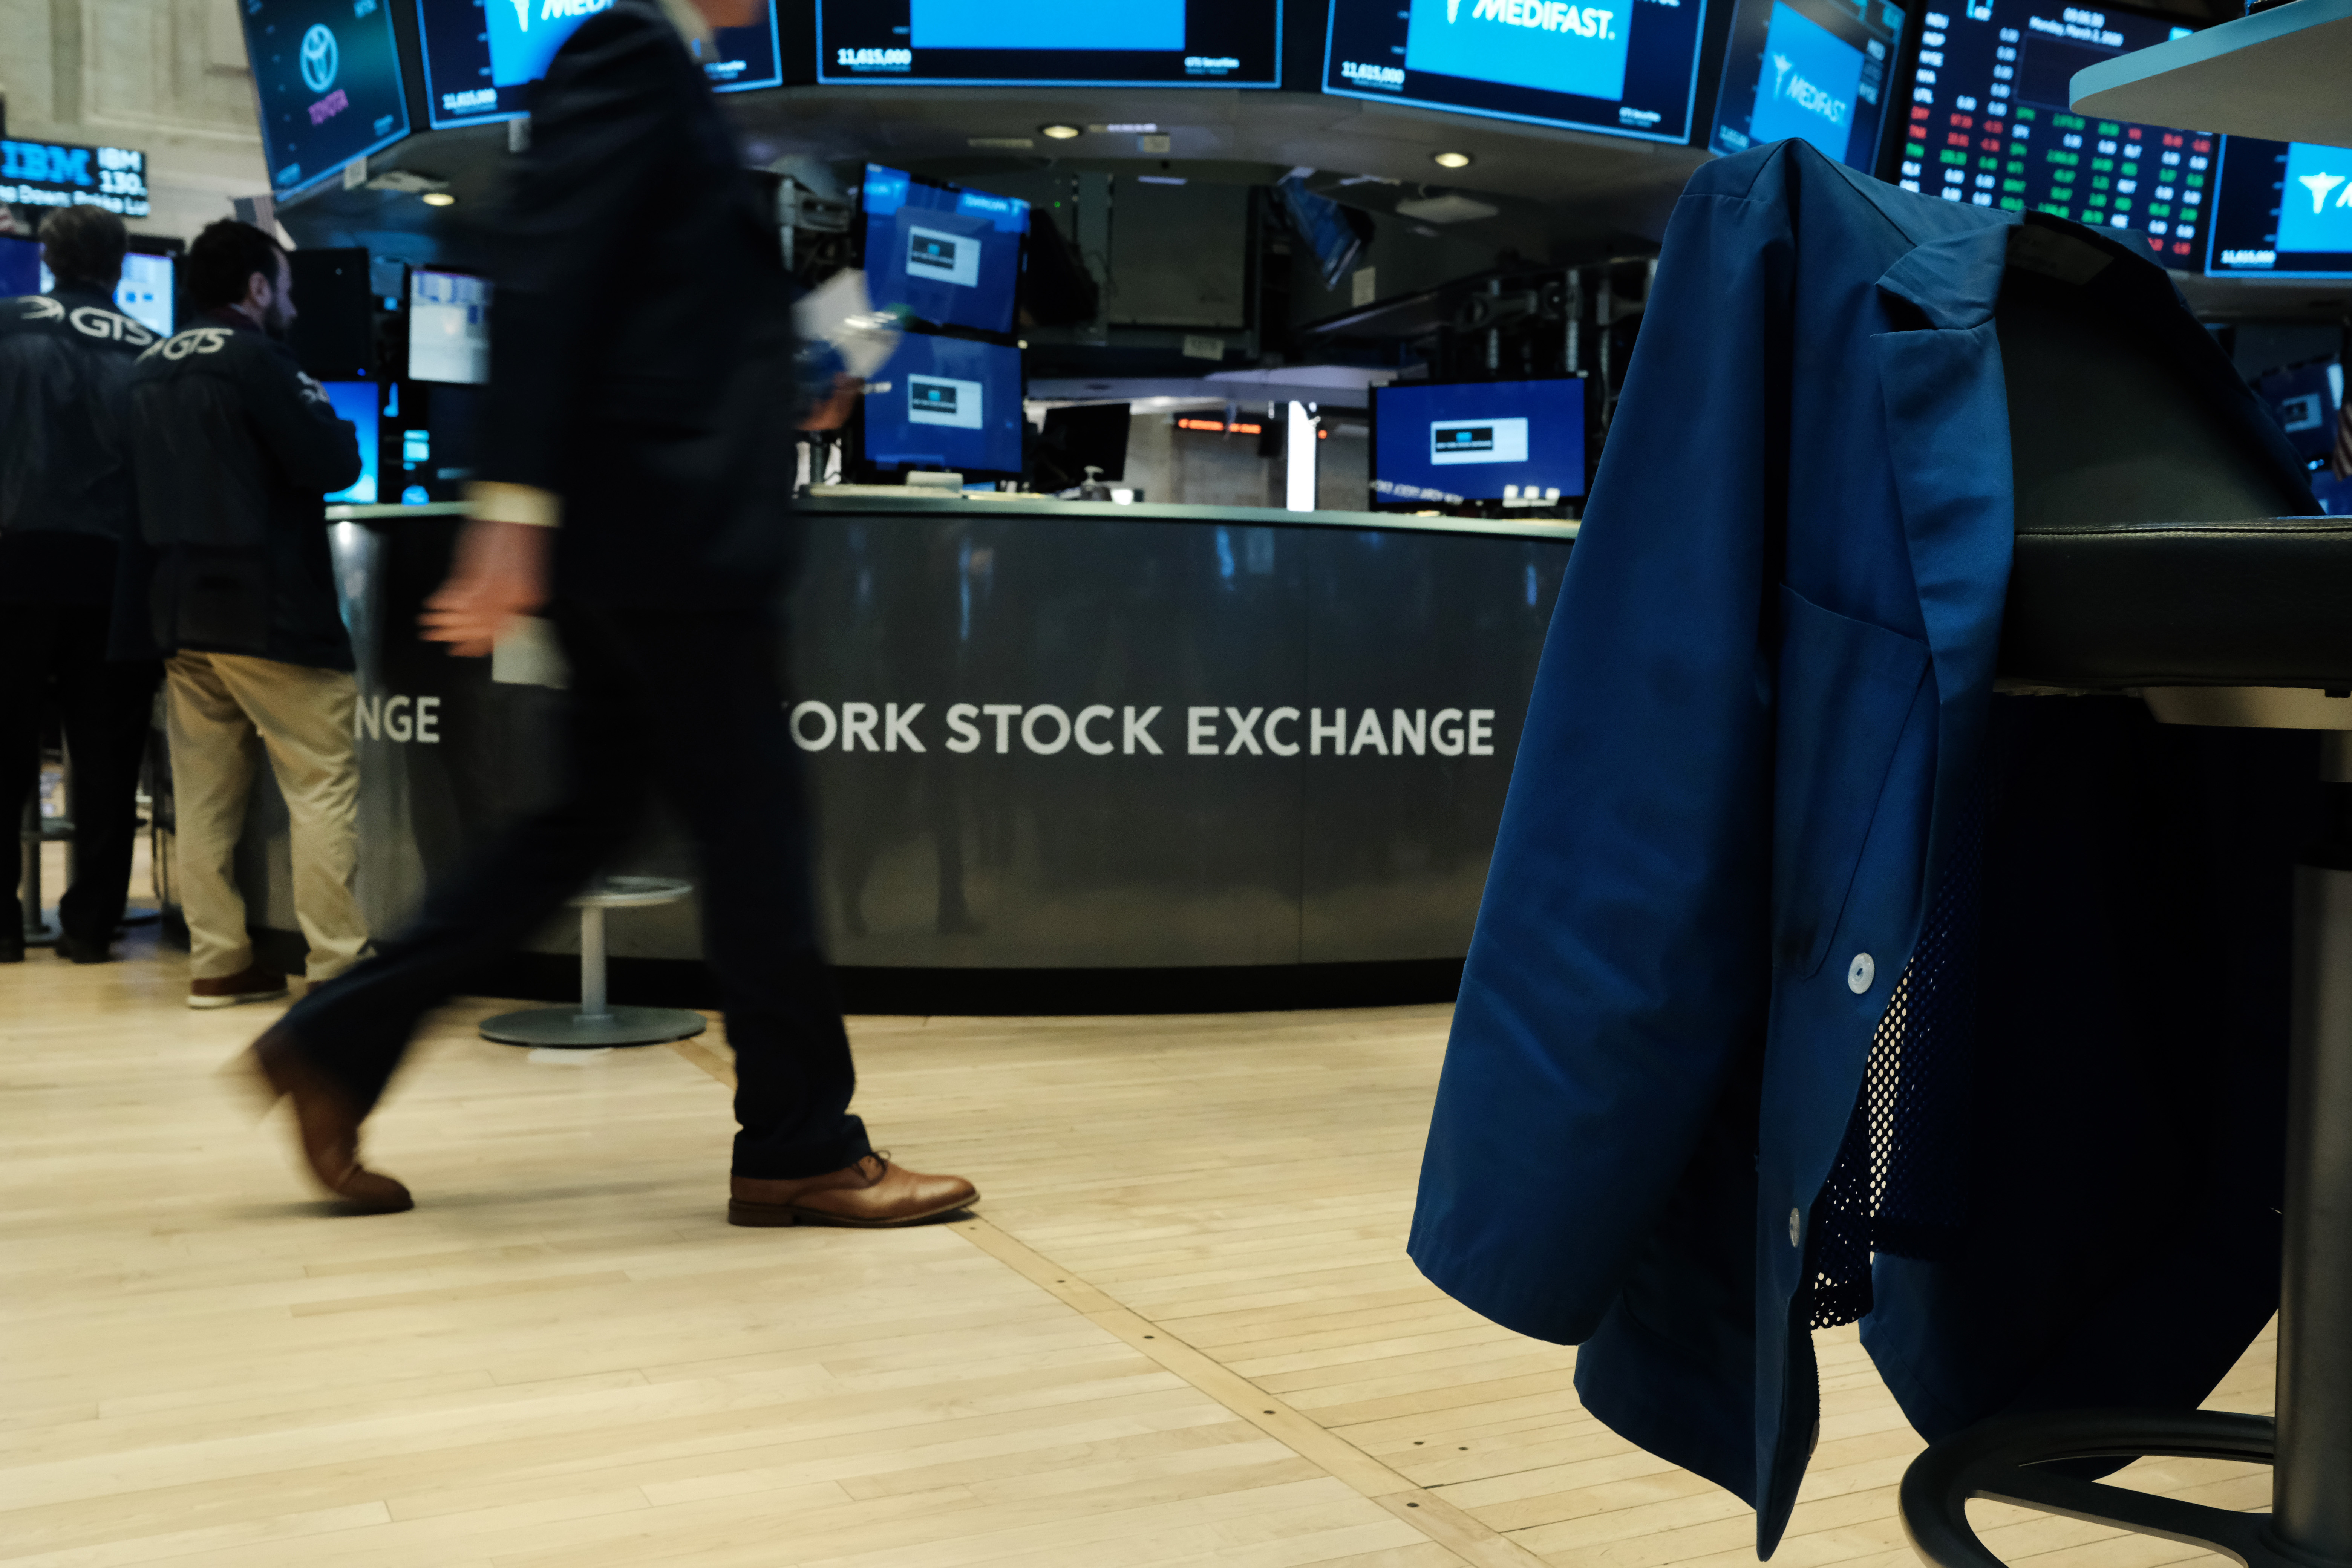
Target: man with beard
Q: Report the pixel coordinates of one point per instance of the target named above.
(235, 450)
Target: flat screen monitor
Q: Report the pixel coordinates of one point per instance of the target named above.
(448, 326)
(328, 76)
(481, 56)
(1988, 124)
(1624, 68)
(1817, 71)
(947, 255)
(145, 293)
(21, 271)
(2280, 209)
(1488, 440)
(1051, 43)
(951, 403)
(356, 401)
(2304, 399)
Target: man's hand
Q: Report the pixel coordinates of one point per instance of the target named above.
(833, 411)
(499, 575)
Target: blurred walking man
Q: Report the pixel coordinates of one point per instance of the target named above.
(639, 464)
(68, 640)
(236, 451)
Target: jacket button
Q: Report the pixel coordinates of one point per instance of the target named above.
(1860, 973)
(1796, 1226)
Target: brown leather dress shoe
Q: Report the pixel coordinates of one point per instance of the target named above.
(251, 984)
(873, 1194)
(328, 1127)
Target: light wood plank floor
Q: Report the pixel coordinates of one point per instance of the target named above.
(1183, 1332)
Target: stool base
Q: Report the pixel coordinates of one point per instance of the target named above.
(568, 1028)
(2000, 1461)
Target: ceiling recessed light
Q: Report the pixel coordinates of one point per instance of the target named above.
(1450, 159)
(1058, 132)
(438, 199)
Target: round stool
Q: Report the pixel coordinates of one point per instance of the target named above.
(595, 1024)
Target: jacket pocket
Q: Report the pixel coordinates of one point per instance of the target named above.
(1846, 688)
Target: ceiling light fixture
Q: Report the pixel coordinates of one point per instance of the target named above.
(1058, 132)
(1450, 159)
(438, 199)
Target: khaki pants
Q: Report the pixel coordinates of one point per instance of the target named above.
(226, 710)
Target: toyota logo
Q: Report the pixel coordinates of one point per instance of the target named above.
(320, 57)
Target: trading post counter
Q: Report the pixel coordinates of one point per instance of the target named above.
(1042, 736)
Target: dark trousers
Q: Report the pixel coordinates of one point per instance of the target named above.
(691, 707)
(53, 659)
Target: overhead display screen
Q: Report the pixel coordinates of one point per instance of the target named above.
(1813, 70)
(947, 255)
(1628, 67)
(1049, 43)
(328, 76)
(2282, 209)
(1988, 124)
(1488, 440)
(481, 56)
(950, 403)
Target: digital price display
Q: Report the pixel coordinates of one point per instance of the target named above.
(328, 75)
(66, 175)
(1813, 70)
(481, 56)
(1990, 124)
(1052, 43)
(1624, 68)
(2282, 209)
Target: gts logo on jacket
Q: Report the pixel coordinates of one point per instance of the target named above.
(90, 321)
(194, 341)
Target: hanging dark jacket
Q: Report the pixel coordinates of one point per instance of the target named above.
(235, 450)
(1763, 805)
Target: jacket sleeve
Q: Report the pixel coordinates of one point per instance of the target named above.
(316, 449)
(605, 123)
(1621, 965)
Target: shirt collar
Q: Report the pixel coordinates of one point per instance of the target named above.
(692, 26)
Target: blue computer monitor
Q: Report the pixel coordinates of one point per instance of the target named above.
(20, 267)
(951, 404)
(947, 255)
(1487, 440)
(1817, 70)
(1623, 68)
(357, 402)
(481, 56)
(2280, 210)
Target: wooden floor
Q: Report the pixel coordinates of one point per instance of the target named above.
(1185, 1331)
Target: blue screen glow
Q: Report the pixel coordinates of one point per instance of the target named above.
(1470, 441)
(1047, 25)
(947, 255)
(951, 403)
(356, 401)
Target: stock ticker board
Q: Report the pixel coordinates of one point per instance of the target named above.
(1989, 125)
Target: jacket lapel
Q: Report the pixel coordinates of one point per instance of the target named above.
(1948, 435)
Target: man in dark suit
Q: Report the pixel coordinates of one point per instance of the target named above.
(66, 548)
(637, 467)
